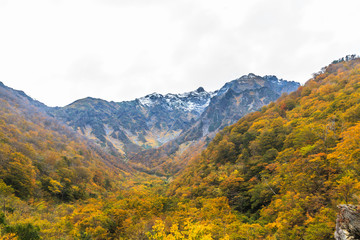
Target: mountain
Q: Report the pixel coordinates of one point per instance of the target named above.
(149, 122)
(19, 97)
(287, 167)
(231, 102)
(237, 98)
(132, 126)
(39, 156)
(277, 173)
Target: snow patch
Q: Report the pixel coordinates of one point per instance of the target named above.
(196, 100)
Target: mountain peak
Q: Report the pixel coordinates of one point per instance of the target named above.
(252, 81)
(196, 100)
(248, 77)
(85, 100)
(200, 90)
(154, 95)
(252, 75)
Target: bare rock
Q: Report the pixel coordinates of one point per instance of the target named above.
(348, 222)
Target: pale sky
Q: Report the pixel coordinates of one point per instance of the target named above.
(58, 51)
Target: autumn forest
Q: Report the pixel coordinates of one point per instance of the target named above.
(277, 173)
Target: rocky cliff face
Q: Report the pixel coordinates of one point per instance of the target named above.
(348, 223)
(237, 98)
(154, 120)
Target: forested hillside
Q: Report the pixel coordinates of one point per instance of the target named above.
(43, 159)
(40, 156)
(287, 167)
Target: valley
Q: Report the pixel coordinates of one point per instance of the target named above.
(260, 158)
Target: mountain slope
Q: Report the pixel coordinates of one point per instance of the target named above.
(237, 98)
(135, 125)
(154, 120)
(41, 157)
(234, 100)
(288, 166)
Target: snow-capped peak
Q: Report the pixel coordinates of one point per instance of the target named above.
(196, 100)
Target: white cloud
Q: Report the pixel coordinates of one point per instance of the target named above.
(62, 50)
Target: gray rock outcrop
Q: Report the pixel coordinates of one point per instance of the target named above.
(348, 222)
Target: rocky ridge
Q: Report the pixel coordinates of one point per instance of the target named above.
(131, 127)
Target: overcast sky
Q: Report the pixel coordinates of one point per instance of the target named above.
(58, 51)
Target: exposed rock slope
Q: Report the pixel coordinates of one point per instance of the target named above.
(149, 122)
(132, 126)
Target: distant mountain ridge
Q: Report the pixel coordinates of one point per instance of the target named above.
(149, 122)
(131, 126)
